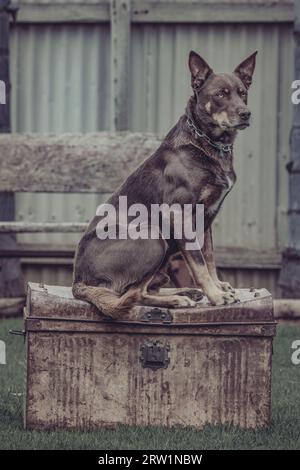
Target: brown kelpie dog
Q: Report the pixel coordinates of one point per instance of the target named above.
(194, 164)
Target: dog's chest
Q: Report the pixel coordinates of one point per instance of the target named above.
(212, 195)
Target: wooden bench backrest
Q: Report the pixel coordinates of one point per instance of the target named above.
(71, 163)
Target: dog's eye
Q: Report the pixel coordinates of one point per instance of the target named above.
(243, 93)
(222, 93)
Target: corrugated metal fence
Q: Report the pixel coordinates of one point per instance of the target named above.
(61, 82)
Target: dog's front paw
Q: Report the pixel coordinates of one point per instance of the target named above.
(220, 297)
(194, 294)
(184, 301)
(224, 286)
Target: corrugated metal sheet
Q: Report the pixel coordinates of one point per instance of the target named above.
(60, 80)
(60, 83)
(48, 274)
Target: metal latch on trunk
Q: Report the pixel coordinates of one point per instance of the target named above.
(154, 355)
(156, 315)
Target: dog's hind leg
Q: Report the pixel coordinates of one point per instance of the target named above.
(106, 300)
(110, 274)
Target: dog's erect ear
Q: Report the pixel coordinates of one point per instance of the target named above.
(246, 69)
(200, 70)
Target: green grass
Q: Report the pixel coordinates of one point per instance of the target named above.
(284, 432)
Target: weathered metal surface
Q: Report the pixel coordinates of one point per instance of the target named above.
(83, 372)
(88, 380)
(57, 302)
(241, 329)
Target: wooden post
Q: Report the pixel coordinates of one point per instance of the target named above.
(4, 65)
(290, 272)
(11, 283)
(120, 19)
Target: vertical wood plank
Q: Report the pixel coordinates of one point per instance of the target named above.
(4, 66)
(294, 167)
(120, 11)
(290, 272)
(11, 283)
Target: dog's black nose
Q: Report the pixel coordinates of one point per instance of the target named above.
(245, 115)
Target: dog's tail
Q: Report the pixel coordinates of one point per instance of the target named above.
(106, 300)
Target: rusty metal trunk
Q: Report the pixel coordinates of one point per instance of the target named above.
(187, 367)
